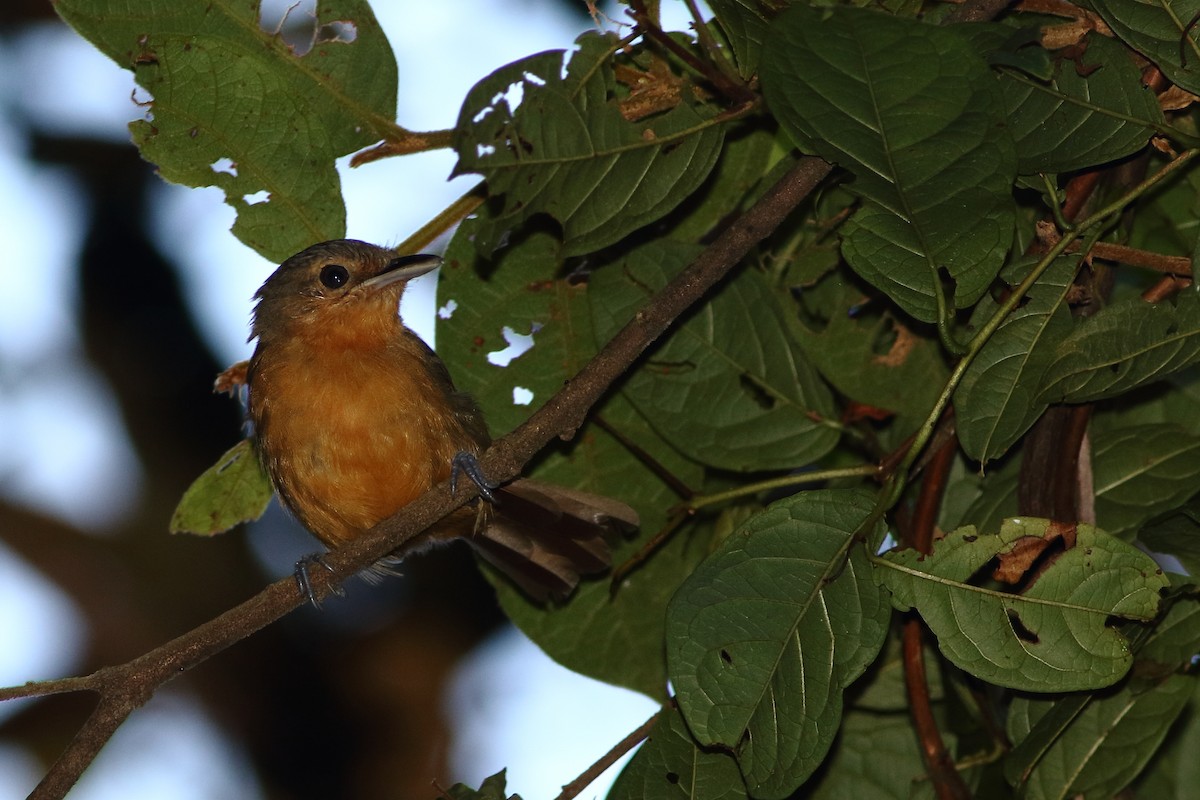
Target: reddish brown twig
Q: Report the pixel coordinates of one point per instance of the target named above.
(948, 784)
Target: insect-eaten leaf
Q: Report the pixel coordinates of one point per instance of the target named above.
(1051, 635)
(232, 491)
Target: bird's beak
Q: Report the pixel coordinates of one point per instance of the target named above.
(403, 268)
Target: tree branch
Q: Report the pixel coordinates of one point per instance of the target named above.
(125, 687)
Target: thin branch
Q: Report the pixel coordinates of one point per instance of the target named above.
(125, 687)
(605, 761)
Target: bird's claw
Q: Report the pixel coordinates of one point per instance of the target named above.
(467, 464)
(304, 582)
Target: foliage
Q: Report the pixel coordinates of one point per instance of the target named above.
(935, 289)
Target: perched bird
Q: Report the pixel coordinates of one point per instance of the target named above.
(355, 417)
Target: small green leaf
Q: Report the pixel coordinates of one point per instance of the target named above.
(997, 400)
(729, 387)
(767, 633)
(492, 788)
(1105, 745)
(671, 766)
(915, 114)
(1140, 470)
(1053, 636)
(236, 107)
(746, 27)
(1123, 346)
(232, 491)
(568, 152)
(1161, 30)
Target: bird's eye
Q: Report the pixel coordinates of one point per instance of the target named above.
(334, 276)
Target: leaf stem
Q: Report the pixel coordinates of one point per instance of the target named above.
(784, 482)
(446, 219)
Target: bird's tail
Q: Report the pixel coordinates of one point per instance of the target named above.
(546, 537)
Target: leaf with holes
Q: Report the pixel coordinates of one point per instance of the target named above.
(236, 107)
(671, 766)
(914, 113)
(568, 151)
(519, 291)
(1162, 30)
(1125, 345)
(767, 633)
(1054, 635)
(997, 400)
(729, 386)
(1138, 471)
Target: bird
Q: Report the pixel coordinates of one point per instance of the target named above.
(354, 416)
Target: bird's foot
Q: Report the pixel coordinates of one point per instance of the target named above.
(467, 464)
(304, 582)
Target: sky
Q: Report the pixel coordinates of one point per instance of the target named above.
(64, 452)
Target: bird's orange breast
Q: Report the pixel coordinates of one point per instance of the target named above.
(351, 433)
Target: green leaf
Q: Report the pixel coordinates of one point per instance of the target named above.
(1052, 637)
(1175, 770)
(1140, 470)
(1079, 120)
(1105, 746)
(231, 491)
(997, 400)
(1125, 345)
(223, 88)
(915, 114)
(746, 27)
(763, 406)
(614, 638)
(1176, 533)
(671, 766)
(568, 152)
(1159, 30)
(492, 788)
(767, 633)
(872, 358)
(875, 758)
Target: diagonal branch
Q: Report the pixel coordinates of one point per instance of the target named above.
(125, 687)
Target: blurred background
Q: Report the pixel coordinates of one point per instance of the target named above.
(121, 298)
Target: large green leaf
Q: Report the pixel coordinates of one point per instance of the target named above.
(876, 757)
(1106, 745)
(997, 400)
(671, 766)
(234, 106)
(914, 113)
(1054, 635)
(766, 634)
(567, 151)
(1125, 345)
(1094, 110)
(618, 638)
(1159, 30)
(1140, 470)
(1175, 770)
(728, 387)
